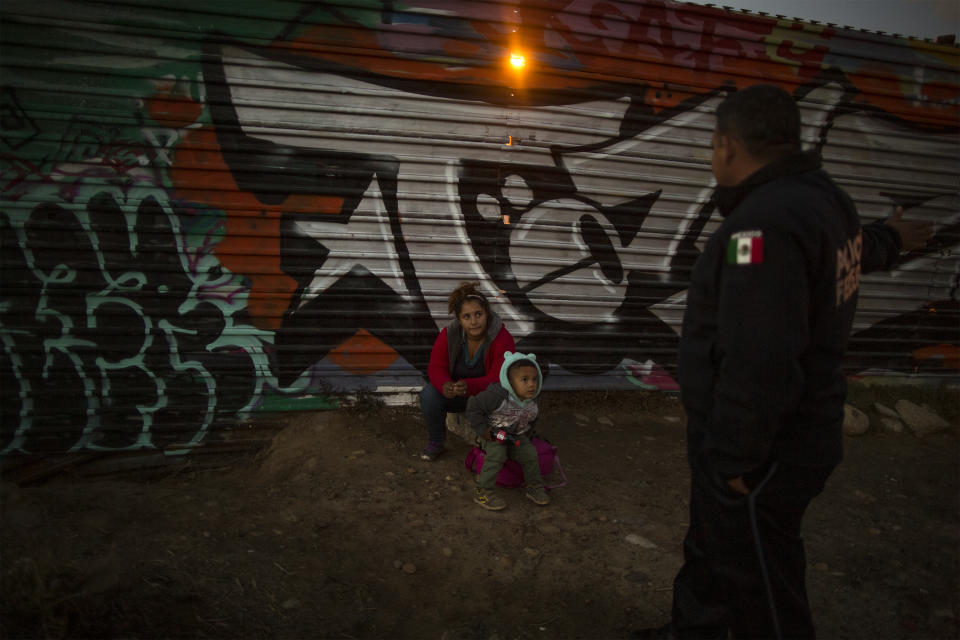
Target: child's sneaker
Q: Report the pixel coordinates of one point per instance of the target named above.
(539, 495)
(489, 500)
(432, 451)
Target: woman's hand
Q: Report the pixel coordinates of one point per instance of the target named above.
(454, 389)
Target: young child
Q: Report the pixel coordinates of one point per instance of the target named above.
(502, 415)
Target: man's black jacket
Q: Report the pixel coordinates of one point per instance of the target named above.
(769, 311)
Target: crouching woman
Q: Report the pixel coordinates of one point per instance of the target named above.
(466, 358)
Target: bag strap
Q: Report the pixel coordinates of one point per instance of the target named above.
(556, 462)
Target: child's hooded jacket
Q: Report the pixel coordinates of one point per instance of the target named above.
(498, 407)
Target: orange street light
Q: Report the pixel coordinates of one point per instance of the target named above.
(517, 60)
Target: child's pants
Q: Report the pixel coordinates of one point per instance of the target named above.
(495, 454)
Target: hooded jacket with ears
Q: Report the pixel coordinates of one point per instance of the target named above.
(450, 343)
(498, 407)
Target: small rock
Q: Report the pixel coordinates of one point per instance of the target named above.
(409, 567)
(447, 551)
(581, 418)
(893, 425)
(457, 424)
(506, 561)
(640, 541)
(530, 551)
(821, 566)
(874, 531)
(605, 420)
(671, 418)
(855, 422)
(397, 564)
(884, 410)
(358, 452)
(292, 603)
(411, 470)
(920, 420)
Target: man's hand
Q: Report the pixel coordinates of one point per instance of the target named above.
(737, 485)
(913, 233)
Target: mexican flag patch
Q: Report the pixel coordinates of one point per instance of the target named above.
(745, 247)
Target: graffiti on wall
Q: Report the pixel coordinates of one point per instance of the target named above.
(273, 221)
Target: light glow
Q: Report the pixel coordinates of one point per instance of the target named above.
(517, 60)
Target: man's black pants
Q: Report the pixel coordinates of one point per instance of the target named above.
(744, 563)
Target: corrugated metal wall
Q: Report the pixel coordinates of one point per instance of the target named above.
(213, 209)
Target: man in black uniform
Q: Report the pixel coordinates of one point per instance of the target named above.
(769, 311)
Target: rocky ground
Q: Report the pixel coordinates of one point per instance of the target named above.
(338, 530)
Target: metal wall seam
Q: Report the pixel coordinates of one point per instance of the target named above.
(208, 214)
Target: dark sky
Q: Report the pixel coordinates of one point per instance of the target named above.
(920, 18)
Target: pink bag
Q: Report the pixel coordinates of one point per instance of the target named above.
(511, 475)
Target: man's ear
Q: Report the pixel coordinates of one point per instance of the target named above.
(721, 158)
(727, 147)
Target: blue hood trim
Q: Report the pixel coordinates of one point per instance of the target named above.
(508, 359)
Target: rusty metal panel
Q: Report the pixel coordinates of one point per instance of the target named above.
(211, 211)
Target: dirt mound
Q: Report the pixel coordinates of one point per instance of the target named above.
(304, 445)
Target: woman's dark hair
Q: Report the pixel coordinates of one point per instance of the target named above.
(764, 117)
(466, 291)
